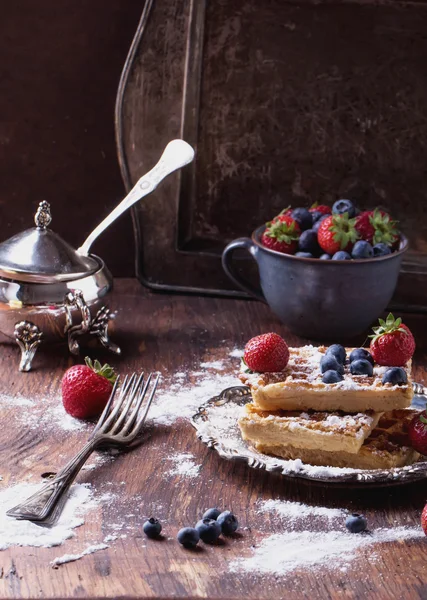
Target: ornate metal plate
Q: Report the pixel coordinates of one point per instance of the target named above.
(216, 426)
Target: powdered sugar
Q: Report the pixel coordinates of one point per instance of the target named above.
(66, 558)
(184, 465)
(292, 511)
(281, 553)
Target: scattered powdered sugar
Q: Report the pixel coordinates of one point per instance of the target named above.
(281, 553)
(292, 511)
(14, 532)
(214, 364)
(15, 400)
(236, 353)
(184, 465)
(66, 558)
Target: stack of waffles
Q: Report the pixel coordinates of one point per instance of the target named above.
(359, 422)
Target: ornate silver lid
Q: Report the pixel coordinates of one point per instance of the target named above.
(40, 255)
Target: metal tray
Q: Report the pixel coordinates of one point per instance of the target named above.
(216, 426)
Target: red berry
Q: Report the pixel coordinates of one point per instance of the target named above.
(417, 432)
(376, 226)
(282, 235)
(424, 519)
(87, 388)
(336, 232)
(267, 353)
(364, 227)
(322, 208)
(392, 344)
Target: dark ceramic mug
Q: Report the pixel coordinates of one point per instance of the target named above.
(319, 299)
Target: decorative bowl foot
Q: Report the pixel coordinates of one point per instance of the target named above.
(28, 337)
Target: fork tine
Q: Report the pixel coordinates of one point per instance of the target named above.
(122, 396)
(141, 420)
(141, 396)
(107, 408)
(124, 413)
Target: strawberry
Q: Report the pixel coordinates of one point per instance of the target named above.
(392, 343)
(322, 208)
(424, 519)
(266, 353)
(376, 227)
(286, 212)
(337, 232)
(417, 432)
(86, 389)
(282, 235)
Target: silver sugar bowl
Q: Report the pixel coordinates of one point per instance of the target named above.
(50, 292)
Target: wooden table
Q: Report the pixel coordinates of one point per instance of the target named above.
(172, 333)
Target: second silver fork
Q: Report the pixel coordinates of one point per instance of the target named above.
(119, 425)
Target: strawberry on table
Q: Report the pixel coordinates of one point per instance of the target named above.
(377, 227)
(392, 343)
(282, 235)
(86, 389)
(267, 353)
(418, 433)
(337, 232)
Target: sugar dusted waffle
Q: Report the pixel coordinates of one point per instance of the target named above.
(299, 386)
(386, 447)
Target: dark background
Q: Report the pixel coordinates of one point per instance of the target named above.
(60, 64)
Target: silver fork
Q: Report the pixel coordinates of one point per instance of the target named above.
(119, 425)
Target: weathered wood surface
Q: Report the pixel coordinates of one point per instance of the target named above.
(170, 333)
(286, 104)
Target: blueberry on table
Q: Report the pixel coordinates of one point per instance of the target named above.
(395, 376)
(332, 377)
(308, 242)
(188, 536)
(211, 513)
(361, 353)
(381, 249)
(304, 255)
(228, 522)
(317, 224)
(325, 257)
(303, 217)
(341, 255)
(362, 249)
(356, 523)
(209, 530)
(361, 366)
(338, 351)
(330, 363)
(152, 528)
(344, 206)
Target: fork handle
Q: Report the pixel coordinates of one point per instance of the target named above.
(41, 505)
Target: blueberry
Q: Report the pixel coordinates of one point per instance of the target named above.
(395, 376)
(188, 536)
(356, 523)
(152, 528)
(341, 255)
(209, 530)
(332, 377)
(325, 257)
(317, 224)
(303, 217)
(344, 206)
(362, 249)
(304, 254)
(361, 353)
(211, 513)
(361, 366)
(338, 351)
(308, 242)
(381, 249)
(228, 522)
(330, 363)
(316, 215)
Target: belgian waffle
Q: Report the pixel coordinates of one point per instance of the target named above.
(314, 430)
(299, 387)
(386, 447)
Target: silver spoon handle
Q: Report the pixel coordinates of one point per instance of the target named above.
(177, 154)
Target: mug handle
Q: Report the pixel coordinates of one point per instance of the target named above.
(227, 263)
